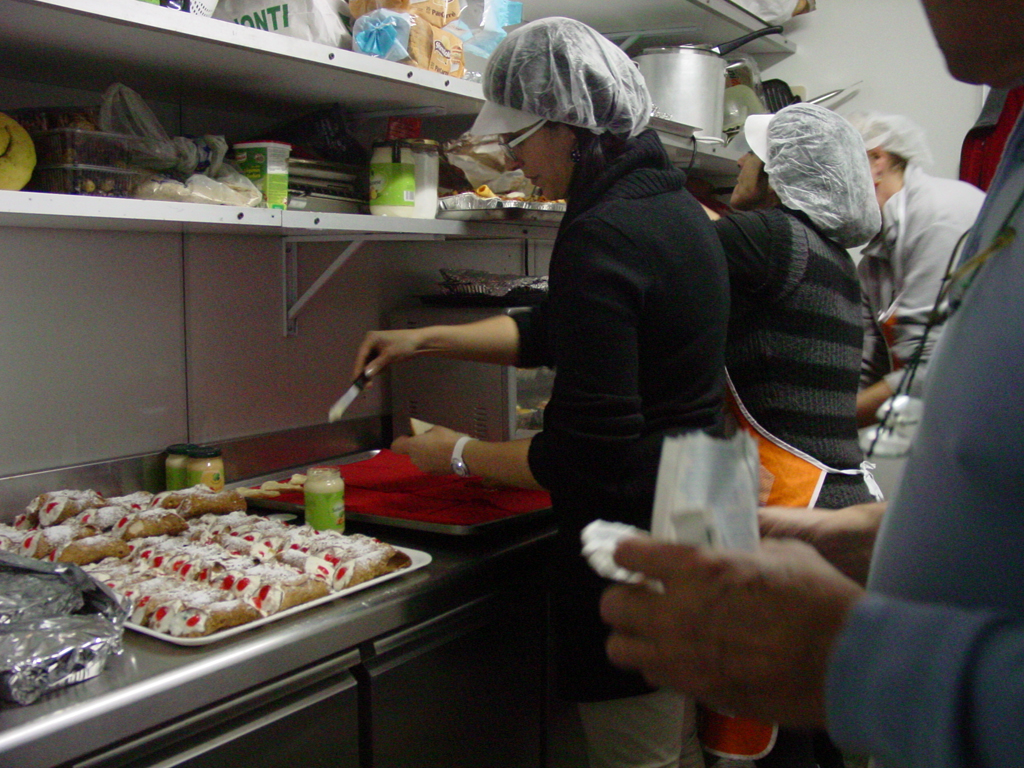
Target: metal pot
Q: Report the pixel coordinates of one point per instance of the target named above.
(687, 83)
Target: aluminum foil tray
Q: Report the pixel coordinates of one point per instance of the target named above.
(469, 206)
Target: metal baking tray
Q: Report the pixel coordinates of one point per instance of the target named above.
(419, 559)
(296, 508)
(450, 529)
(468, 206)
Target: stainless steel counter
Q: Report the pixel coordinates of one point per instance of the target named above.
(154, 683)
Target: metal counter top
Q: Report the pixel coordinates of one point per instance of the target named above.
(154, 682)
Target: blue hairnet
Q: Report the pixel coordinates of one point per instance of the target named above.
(562, 70)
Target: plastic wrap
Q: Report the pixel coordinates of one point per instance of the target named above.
(57, 627)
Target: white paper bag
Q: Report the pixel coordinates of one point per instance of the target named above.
(707, 490)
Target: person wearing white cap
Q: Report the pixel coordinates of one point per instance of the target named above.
(803, 196)
(902, 268)
(634, 325)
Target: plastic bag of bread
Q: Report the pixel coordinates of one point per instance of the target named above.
(383, 34)
(357, 8)
(435, 49)
(438, 13)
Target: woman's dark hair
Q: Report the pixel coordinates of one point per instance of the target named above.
(596, 153)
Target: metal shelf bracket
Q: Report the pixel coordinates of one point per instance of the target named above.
(292, 302)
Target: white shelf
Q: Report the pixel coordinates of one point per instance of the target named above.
(83, 212)
(189, 59)
(680, 21)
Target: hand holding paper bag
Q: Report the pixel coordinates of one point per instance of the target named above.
(747, 629)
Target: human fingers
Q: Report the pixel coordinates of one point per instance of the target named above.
(657, 559)
(369, 349)
(787, 522)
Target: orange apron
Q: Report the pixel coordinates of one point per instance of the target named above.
(789, 478)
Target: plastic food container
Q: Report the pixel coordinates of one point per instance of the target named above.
(265, 163)
(85, 180)
(37, 119)
(403, 178)
(71, 146)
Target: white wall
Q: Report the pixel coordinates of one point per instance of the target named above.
(888, 45)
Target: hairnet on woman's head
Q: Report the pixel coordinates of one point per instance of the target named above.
(816, 163)
(893, 133)
(562, 70)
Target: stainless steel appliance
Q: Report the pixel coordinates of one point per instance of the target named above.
(687, 82)
(489, 402)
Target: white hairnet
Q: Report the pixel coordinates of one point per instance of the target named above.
(562, 70)
(893, 133)
(817, 164)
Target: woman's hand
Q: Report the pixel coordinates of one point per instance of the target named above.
(381, 348)
(430, 452)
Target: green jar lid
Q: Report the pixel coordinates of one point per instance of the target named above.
(204, 452)
(180, 449)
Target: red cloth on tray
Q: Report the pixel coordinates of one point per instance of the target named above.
(390, 485)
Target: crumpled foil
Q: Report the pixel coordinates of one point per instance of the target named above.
(57, 626)
(477, 282)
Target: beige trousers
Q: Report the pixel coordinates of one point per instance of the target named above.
(656, 730)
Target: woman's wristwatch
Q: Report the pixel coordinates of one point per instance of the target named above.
(458, 464)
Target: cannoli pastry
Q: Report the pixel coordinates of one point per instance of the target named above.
(311, 565)
(54, 508)
(154, 551)
(155, 521)
(91, 549)
(11, 538)
(202, 612)
(207, 528)
(204, 563)
(43, 542)
(136, 501)
(149, 594)
(199, 500)
(105, 517)
(26, 521)
(359, 558)
(277, 593)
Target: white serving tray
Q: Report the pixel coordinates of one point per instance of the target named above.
(419, 559)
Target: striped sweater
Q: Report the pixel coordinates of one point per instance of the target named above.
(795, 339)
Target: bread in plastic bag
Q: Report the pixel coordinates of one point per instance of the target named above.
(229, 188)
(383, 34)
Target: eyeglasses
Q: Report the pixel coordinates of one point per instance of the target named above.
(510, 145)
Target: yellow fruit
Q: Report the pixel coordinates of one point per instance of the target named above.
(17, 154)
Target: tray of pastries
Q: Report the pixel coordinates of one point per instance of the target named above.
(194, 565)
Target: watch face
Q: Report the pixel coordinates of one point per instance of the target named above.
(459, 467)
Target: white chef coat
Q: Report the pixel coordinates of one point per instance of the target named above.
(902, 267)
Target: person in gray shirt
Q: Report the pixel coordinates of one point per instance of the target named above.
(924, 667)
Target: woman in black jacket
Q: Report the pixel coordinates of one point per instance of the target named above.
(634, 326)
